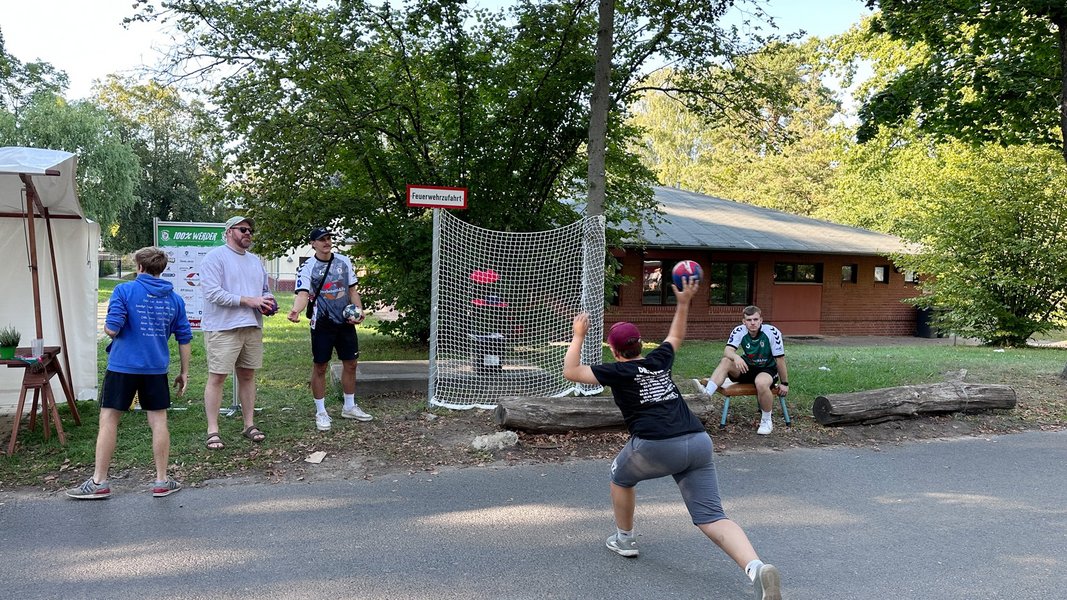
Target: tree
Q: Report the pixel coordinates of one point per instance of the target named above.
(784, 158)
(180, 151)
(108, 169)
(20, 82)
(993, 71)
(991, 235)
(334, 107)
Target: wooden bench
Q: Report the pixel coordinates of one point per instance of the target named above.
(731, 390)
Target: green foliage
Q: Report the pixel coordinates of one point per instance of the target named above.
(10, 336)
(179, 147)
(993, 72)
(106, 268)
(779, 152)
(338, 106)
(108, 169)
(991, 235)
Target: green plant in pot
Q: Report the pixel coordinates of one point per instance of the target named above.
(9, 340)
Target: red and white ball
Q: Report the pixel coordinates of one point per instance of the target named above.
(686, 269)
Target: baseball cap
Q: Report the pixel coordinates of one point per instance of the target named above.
(624, 336)
(319, 233)
(232, 221)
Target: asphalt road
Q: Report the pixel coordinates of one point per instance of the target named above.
(970, 519)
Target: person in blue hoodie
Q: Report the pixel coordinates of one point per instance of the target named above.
(141, 317)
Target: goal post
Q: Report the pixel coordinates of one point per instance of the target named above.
(502, 306)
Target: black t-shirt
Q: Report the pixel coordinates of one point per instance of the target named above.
(651, 404)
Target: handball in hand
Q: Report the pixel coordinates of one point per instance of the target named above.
(686, 269)
(269, 306)
(351, 312)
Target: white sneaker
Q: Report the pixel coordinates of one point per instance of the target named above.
(356, 413)
(699, 387)
(322, 421)
(765, 427)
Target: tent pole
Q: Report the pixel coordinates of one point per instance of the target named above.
(59, 308)
(32, 200)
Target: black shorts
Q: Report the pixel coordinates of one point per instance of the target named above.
(327, 336)
(153, 391)
(750, 376)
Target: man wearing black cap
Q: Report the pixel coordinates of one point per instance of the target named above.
(666, 438)
(236, 296)
(328, 280)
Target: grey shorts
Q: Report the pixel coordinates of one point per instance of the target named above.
(688, 458)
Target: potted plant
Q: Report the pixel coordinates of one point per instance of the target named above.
(9, 340)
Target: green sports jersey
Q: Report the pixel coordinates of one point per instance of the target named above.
(759, 351)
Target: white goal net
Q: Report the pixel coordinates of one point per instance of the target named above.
(502, 308)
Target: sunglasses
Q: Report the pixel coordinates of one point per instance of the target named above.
(247, 230)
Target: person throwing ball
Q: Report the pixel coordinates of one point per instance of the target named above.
(666, 438)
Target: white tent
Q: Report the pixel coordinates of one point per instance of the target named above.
(65, 254)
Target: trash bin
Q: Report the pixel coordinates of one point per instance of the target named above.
(924, 323)
(488, 351)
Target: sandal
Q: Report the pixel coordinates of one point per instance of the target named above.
(253, 433)
(214, 441)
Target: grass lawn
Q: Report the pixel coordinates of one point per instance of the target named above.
(286, 413)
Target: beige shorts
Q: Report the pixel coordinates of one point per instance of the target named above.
(241, 348)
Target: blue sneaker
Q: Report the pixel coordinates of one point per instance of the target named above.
(767, 584)
(91, 490)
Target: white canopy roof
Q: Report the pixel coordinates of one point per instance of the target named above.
(76, 242)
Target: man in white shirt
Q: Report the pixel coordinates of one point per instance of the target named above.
(236, 296)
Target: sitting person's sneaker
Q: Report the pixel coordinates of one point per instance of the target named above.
(165, 488)
(356, 413)
(91, 490)
(322, 421)
(699, 387)
(765, 427)
(621, 545)
(767, 584)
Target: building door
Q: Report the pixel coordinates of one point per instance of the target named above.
(797, 309)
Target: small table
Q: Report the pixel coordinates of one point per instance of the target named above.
(36, 377)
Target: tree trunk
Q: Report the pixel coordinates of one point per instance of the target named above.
(560, 415)
(599, 104)
(875, 406)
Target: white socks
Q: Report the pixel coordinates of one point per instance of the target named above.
(320, 405)
(766, 415)
(753, 568)
(626, 534)
(350, 401)
(711, 387)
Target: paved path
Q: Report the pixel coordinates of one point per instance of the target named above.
(965, 519)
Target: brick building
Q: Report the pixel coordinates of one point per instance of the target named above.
(809, 277)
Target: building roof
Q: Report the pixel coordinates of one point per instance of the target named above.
(693, 220)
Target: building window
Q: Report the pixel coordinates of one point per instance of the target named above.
(656, 278)
(848, 273)
(798, 272)
(911, 277)
(731, 283)
(881, 274)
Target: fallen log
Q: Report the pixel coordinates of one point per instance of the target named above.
(574, 413)
(887, 404)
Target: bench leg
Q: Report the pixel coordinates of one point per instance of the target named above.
(725, 411)
(785, 411)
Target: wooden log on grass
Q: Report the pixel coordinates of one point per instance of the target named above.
(887, 404)
(575, 413)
